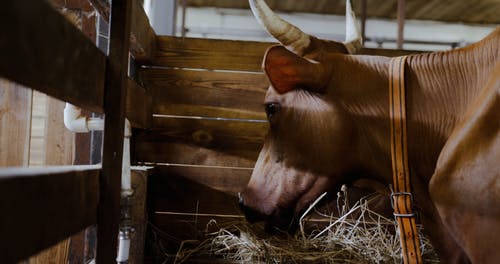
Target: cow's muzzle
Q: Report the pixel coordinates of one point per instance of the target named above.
(251, 215)
(278, 220)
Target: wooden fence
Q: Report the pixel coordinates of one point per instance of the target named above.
(41, 50)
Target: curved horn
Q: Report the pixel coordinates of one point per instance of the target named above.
(287, 34)
(352, 35)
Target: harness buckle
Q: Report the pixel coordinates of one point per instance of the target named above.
(393, 194)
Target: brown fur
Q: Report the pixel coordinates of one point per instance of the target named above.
(319, 141)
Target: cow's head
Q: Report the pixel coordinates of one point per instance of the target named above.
(307, 149)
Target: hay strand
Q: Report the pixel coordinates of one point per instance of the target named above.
(359, 235)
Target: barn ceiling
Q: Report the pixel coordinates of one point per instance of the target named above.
(466, 11)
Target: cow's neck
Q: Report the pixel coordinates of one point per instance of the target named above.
(439, 88)
(361, 90)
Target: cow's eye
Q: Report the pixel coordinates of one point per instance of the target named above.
(272, 109)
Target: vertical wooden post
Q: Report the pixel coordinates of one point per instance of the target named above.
(114, 105)
(364, 7)
(401, 23)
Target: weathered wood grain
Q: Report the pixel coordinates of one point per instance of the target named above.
(50, 204)
(138, 105)
(218, 54)
(67, 146)
(209, 53)
(114, 103)
(233, 90)
(15, 115)
(388, 52)
(178, 153)
(211, 190)
(59, 149)
(240, 139)
(208, 111)
(138, 213)
(42, 50)
(59, 146)
(183, 199)
(142, 37)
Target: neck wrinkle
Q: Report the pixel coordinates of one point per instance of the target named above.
(440, 86)
(365, 101)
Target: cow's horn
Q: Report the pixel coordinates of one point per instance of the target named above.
(287, 34)
(352, 35)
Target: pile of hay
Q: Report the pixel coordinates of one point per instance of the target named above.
(358, 236)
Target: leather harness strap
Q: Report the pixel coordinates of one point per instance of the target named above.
(401, 198)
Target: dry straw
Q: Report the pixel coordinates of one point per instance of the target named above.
(359, 235)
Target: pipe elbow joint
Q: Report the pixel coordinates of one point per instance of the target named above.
(73, 120)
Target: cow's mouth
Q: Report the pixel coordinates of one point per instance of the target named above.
(282, 220)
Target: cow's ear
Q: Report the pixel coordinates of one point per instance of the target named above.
(287, 71)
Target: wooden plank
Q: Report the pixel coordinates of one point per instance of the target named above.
(15, 116)
(184, 199)
(42, 50)
(241, 91)
(217, 54)
(142, 37)
(59, 141)
(59, 147)
(178, 153)
(208, 111)
(197, 189)
(50, 204)
(138, 213)
(209, 53)
(115, 101)
(388, 52)
(241, 139)
(55, 254)
(138, 105)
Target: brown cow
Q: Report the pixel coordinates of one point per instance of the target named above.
(329, 123)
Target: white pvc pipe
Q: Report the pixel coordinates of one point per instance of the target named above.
(123, 248)
(126, 178)
(76, 122)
